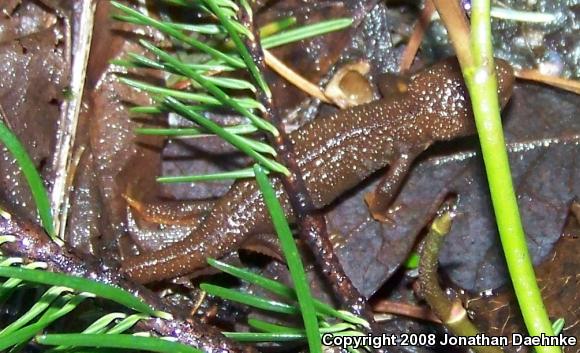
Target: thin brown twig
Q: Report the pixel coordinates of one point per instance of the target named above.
(458, 29)
(559, 82)
(293, 77)
(416, 38)
(404, 309)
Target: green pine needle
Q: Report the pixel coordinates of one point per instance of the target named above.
(224, 82)
(259, 146)
(153, 110)
(268, 327)
(150, 344)
(265, 337)
(305, 32)
(203, 29)
(33, 178)
(292, 257)
(7, 239)
(277, 26)
(9, 261)
(230, 83)
(250, 299)
(101, 290)
(192, 132)
(558, 326)
(236, 174)
(235, 140)
(220, 95)
(202, 68)
(245, 104)
(103, 322)
(99, 326)
(148, 21)
(127, 323)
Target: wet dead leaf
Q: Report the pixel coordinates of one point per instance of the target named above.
(34, 72)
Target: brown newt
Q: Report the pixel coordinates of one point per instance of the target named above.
(334, 154)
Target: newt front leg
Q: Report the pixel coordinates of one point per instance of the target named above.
(379, 200)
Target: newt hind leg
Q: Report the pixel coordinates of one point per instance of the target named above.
(168, 212)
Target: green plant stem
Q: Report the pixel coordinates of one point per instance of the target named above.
(305, 300)
(482, 85)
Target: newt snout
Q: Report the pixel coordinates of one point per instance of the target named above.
(334, 154)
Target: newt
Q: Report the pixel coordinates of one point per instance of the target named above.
(334, 154)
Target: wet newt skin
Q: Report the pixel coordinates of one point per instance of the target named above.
(334, 154)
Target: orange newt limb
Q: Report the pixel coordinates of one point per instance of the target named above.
(334, 154)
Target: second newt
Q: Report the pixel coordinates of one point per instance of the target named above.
(334, 154)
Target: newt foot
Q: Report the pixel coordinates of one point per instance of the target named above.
(377, 210)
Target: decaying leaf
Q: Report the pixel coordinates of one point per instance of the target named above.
(34, 71)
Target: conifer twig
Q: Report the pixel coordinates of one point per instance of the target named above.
(312, 225)
(416, 38)
(31, 243)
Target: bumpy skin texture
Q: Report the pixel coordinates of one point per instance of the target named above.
(334, 154)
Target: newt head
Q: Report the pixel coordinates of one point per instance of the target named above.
(442, 98)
